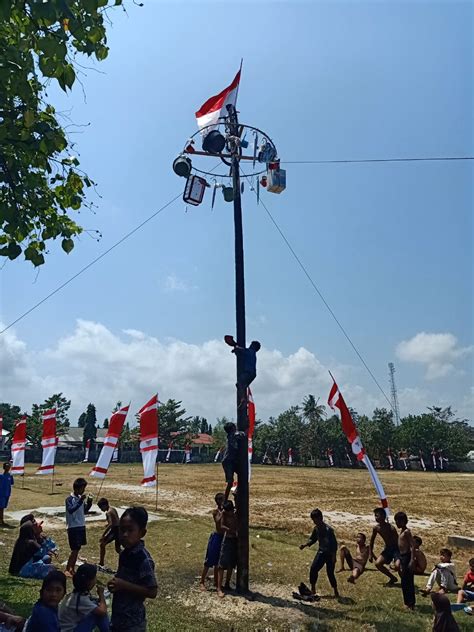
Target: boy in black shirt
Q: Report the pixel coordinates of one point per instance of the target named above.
(326, 554)
(231, 453)
(135, 580)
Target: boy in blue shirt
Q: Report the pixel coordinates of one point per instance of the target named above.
(6, 482)
(44, 617)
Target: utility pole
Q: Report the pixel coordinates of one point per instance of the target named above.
(242, 496)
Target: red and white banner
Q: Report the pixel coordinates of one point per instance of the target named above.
(110, 443)
(1, 427)
(390, 458)
(251, 414)
(86, 451)
(329, 454)
(168, 454)
(215, 107)
(187, 453)
(218, 454)
(49, 442)
(18, 447)
(336, 400)
(290, 456)
(149, 440)
(422, 461)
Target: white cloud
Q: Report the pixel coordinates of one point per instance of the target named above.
(92, 363)
(175, 284)
(437, 352)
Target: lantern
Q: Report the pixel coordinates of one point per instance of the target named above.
(182, 166)
(213, 142)
(194, 190)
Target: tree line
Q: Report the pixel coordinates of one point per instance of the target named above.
(306, 428)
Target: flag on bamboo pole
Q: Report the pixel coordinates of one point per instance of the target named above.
(187, 453)
(215, 107)
(86, 451)
(18, 447)
(49, 442)
(290, 456)
(218, 453)
(1, 427)
(336, 400)
(149, 440)
(110, 443)
(168, 454)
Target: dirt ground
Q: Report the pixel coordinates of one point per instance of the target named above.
(281, 499)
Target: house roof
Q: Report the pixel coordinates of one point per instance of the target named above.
(198, 439)
(73, 434)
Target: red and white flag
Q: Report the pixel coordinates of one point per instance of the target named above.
(49, 442)
(149, 440)
(110, 443)
(1, 427)
(86, 451)
(18, 447)
(290, 456)
(215, 107)
(168, 454)
(187, 453)
(251, 414)
(336, 400)
(218, 453)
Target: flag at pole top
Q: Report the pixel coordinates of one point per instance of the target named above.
(215, 107)
(110, 443)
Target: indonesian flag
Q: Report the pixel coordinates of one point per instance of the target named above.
(390, 459)
(115, 456)
(329, 454)
(251, 417)
(218, 453)
(111, 440)
(49, 442)
(215, 107)
(336, 400)
(1, 427)
(290, 456)
(168, 454)
(149, 440)
(86, 451)
(18, 447)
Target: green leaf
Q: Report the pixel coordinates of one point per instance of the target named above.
(29, 118)
(14, 250)
(69, 76)
(101, 52)
(67, 245)
(5, 9)
(49, 66)
(32, 254)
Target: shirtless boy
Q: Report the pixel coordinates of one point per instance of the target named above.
(111, 531)
(389, 535)
(228, 556)
(406, 546)
(358, 563)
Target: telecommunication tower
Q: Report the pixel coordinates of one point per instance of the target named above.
(393, 390)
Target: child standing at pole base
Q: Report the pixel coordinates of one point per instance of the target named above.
(228, 555)
(326, 554)
(77, 505)
(214, 544)
(231, 454)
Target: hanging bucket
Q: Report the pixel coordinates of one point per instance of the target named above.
(228, 193)
(214, 142)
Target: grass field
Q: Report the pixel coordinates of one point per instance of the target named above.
(281, 499)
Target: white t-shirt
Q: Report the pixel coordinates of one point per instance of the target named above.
(71, 613)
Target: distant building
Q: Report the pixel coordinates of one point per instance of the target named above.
(72, 438)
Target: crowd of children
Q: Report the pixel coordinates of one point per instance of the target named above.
(80, 610)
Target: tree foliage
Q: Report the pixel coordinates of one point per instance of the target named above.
(173, 419)
(90, 425)
(40, 180)
(10, 413)
(34, 421)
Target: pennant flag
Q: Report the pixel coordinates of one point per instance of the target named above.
(336, 400)
(290, 456)
(215, 107)
(149, 440)
(422, 461)
(115, 456)
(187, 453)
(168, 454)
(87, 450)
(251, 413)
(390, 458)
(1, 427)
(49, 442)
(329, 454)
(109, 449)
(18, 447)
(218, 453)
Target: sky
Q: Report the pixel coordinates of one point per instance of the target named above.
(388, 245)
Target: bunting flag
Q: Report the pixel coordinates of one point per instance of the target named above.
(49, 442)
(215, 107)
(390, 459)
(218, 454)
(86, 451)
(149, 440)
(251, 430)
(1, 427)
(109, 449)
(187, 453)
(18, 447)
(115, 456)
(422, 461)
(441, 460)
(336, 400)
(168, 454)
(329, 454)
(290, 456)
(433, 457)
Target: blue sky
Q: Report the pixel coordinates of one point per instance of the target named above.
(389, 245)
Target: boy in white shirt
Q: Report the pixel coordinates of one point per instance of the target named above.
(443, 574)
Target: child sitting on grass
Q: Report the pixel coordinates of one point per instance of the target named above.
(30, 559)
(79, 611)
(443, 574)
(420, 558)
(214, 544)
(111, 531)
(358, 563)
(466, 593)
(44, 617)
(135, 579)
(443, 619)
(228, 554)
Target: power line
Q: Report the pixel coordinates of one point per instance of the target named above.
(317, 290)
(370, 160)
(90, 264)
